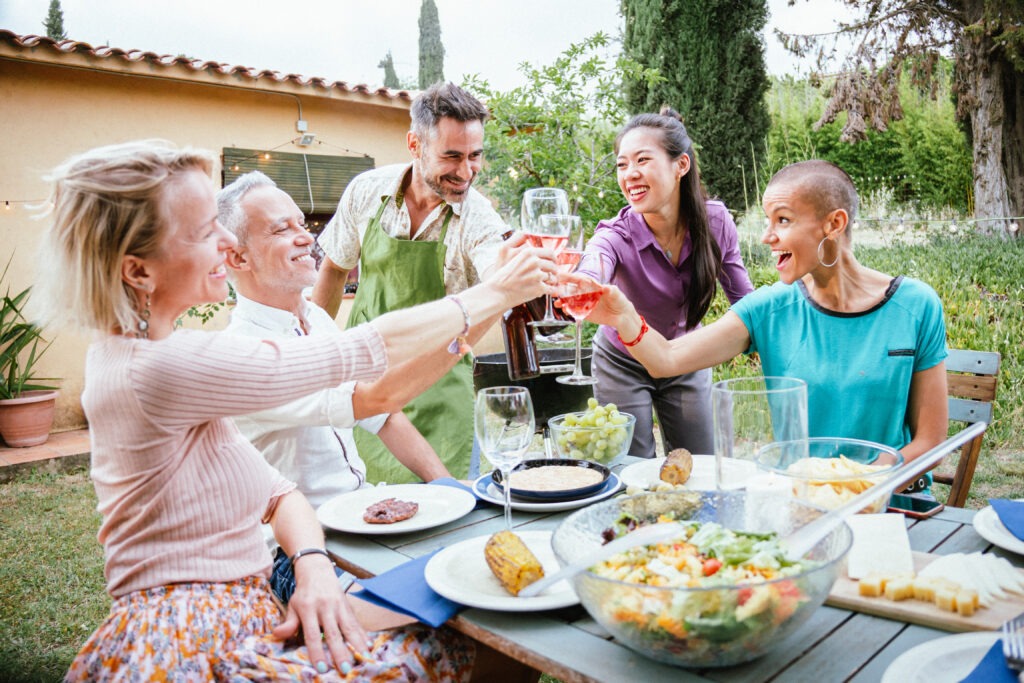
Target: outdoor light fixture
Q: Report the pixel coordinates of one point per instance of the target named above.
(306, 139)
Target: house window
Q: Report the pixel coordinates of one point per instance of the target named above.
(314, 181)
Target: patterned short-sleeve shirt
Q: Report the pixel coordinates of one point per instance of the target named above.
(472, 241)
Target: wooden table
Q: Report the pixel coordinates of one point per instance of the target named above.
(833, 645)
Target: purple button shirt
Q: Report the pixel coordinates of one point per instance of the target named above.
(656, 287)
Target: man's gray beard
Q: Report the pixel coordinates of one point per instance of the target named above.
(435, 186)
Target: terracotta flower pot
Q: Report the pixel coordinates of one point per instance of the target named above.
(26, 420)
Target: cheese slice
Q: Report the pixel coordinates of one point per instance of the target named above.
(880, 545)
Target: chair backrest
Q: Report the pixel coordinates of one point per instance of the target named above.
(972, 377)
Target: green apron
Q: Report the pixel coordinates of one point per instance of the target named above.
(396, 274)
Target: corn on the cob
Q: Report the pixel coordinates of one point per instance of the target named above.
(515, 566)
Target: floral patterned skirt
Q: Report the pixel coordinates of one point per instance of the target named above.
(221, 632)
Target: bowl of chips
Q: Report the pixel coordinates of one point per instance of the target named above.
(834, 471)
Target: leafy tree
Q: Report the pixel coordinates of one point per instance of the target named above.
(558, 130)
(893, 37)
(55, 22)
(390, 77)
(923, 159)
(431, 48)
(711, 56)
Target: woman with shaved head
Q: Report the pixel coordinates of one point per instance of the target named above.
(870, 346)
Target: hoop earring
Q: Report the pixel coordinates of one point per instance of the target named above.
(821, 251)
(143, 326)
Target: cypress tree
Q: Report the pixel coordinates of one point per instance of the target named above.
(55, 22)
(711, 56)
(431, 48)
(390, 77)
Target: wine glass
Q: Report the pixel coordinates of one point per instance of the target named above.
(544, 219)
(751, 412)
(567, 255)
(504, 428)
(578, 293)
(541, 201)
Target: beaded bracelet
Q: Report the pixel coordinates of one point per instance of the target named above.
(309, 551)
(460, 345)
(643, 331)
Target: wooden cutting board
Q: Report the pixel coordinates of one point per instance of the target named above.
(845, 594)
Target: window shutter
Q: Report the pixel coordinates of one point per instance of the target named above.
(314, 181)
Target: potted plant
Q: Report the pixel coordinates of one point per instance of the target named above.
(26, 406)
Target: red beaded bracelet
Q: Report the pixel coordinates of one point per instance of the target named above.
(643, 331)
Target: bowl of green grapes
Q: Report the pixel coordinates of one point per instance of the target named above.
(600, 433)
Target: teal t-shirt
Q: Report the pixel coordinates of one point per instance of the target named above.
(857, 366)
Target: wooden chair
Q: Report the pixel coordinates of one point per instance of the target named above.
(972, 377)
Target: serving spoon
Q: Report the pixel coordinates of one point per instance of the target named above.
(796, 544)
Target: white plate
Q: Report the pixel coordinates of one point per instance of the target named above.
(987, 524)
(486, 490)
(438, 505)
(644, 475)
(944, 659)
(460, 573)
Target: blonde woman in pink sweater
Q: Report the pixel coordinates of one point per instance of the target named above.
(134, 243)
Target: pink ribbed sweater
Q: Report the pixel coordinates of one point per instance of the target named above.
(181, 492)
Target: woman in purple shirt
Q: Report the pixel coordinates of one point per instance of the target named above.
(665, 251)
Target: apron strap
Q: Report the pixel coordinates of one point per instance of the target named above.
(442, 251)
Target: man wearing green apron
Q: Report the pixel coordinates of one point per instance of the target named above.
(418, 233)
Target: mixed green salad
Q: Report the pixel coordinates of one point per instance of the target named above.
(741, 588)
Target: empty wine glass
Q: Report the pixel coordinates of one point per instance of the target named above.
(504, 427)
(578, 293)
(751, 412)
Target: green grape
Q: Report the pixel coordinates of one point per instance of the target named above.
(597, 433)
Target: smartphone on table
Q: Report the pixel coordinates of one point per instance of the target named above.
(911, 506)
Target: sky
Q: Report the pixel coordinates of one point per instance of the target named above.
(345, 40)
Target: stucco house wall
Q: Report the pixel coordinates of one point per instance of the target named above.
(58, 99)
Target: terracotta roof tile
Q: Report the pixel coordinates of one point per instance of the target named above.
(32, 42)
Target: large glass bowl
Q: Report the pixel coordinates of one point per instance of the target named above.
(835, 470)
(607, 444)
(703, 627)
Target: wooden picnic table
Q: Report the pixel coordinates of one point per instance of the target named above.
(833, 645)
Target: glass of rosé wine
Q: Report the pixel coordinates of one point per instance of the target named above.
(567, 256)
(577, 294)
(544, 220)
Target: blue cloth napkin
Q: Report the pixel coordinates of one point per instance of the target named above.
(1011, 514)
(456, 484)
(404, 589)
(993, 668)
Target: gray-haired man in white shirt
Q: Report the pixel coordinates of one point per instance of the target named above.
(310, 440)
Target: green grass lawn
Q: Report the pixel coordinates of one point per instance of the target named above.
(51, 576)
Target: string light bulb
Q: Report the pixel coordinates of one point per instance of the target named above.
(7, 204)
(266, 155)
